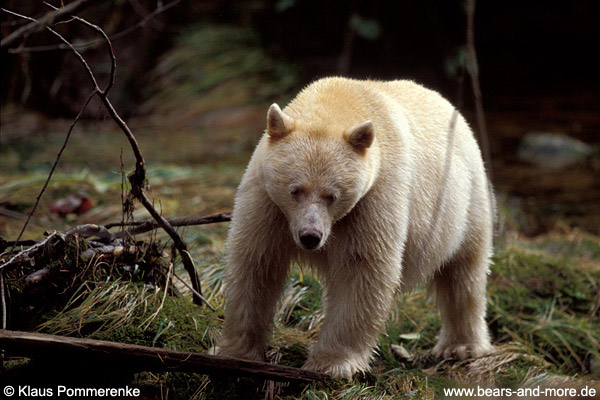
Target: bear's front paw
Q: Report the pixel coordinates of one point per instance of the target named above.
(461, 350)
(244, 354)
(336, 367)
(214, 351)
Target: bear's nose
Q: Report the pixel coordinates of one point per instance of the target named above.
(310, 238)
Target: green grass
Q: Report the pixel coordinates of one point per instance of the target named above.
(133, 313)
(545, 303)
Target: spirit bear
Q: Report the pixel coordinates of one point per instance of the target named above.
(379, 186)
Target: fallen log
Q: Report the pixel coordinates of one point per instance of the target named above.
(142, 358)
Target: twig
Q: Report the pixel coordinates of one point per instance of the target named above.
(28, 251)
(21, 243)
(142, 23)
(138, 178)
(186, 259)
(112, 250)
(4, 314)
(474, 73)
(149, 225)
(193, 291)
(36, 277)
(38, 25)
(144, 325)
(89, 230)
(113, 60)
(3, 295)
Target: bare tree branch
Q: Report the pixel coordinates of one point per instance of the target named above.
(474, 73)
(84, 46)
(105, 237)
(38, 25)
(138, 177)
(149, 225)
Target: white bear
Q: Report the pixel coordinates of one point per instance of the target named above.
(378, 186)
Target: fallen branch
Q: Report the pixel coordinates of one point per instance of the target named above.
(108, 250)
(38, 276)
(30, 251)
(106, 242)
(149, 225)
(142, 358)
(92, 230)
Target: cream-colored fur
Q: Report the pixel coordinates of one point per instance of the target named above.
(386, 184)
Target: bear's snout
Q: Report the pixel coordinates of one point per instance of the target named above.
(310, 238)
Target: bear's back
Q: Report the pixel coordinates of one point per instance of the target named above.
(336, 104)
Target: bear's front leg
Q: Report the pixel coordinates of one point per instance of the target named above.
(252, 291)
(357, 298)
(258, 259)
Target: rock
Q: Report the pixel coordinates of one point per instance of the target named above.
(553, 150)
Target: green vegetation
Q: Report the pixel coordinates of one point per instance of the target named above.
(217, 66)
(546, 303)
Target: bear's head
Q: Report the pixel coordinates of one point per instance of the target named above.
(316, 174)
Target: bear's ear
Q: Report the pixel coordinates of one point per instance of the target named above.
(361, 136)
(278, 123)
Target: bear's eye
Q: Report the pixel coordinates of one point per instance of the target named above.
(295, 192)
(330, 198)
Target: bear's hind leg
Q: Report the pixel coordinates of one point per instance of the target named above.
(460, 291)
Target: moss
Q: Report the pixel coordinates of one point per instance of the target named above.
(187, 386)
(294, 355)
(579, 246)
(179, 325)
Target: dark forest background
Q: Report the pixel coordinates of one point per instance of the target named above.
(525, 49)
